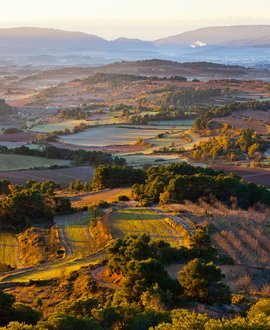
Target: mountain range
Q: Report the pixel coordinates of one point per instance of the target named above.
(202, 44)
(241, 35)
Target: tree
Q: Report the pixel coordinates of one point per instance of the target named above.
(201, 245)
(63, 322)
(142, 275)
(261, 307)
(71, 186)
(203, 282)
(25, 314)
(6, 303)
(78, 185)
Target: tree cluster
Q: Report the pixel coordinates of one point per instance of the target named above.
(180, 182)
(80, 157)
(246, 143)
(203, 121)
(188, 97)
(22, 207)
(113, 176)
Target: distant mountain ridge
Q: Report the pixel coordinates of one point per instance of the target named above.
(247, 45)
(242, 35)
(27, 37)
(155, 67)
(44, 39)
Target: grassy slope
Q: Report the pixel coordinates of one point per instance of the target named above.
(74, 232)
(20, 162)
(142, 220)
(9, 249)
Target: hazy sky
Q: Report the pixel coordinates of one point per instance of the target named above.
(145, 19)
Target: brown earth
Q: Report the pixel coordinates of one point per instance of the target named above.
(61, 176)
(20, 137)
(256, 175)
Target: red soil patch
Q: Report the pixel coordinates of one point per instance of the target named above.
(20, 137)
(113, 148)
(256, 175)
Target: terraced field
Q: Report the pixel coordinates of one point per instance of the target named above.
(9, 249)
(143, 221)
(21, 162)
(74, 234)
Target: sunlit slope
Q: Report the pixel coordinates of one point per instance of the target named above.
(9, 249)
(136, 221)
(75, 235)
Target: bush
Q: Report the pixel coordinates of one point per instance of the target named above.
(123, 198)
(238, 299)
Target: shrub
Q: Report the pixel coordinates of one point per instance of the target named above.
(123, 198)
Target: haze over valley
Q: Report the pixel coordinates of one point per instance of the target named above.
(246, 45)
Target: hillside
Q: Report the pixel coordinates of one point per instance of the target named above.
(225, 44)
(154, 67)
(242, 35)
(26, 39)
(5, 109)
(31, 38)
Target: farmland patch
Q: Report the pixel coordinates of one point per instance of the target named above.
(143, 221)
(10, 162)
(9, 249)
(109, 135)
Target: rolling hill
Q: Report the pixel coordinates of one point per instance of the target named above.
(242, 35)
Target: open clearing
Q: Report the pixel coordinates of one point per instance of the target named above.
(74, 234)
(109, 135)
(9, 249)
(136, 221)
(141, 159)
(52, 270)
(60, 176)
(109, 196)
(10, 162)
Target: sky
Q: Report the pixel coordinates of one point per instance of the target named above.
(144, 19)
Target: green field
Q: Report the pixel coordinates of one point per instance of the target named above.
(20, 162)
(109, 135)
(143, 159)
(74, 234)
(143, 221)
(9, 249)
(66, 124)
